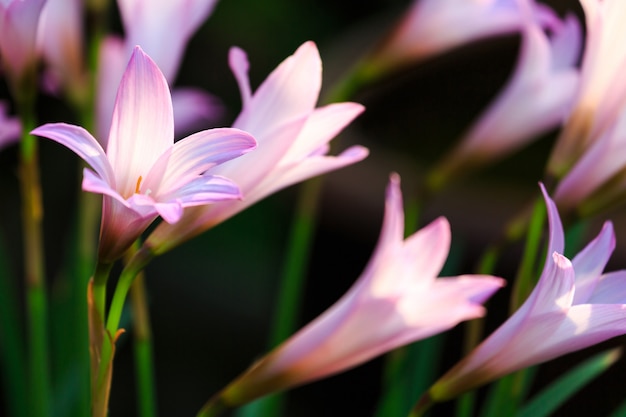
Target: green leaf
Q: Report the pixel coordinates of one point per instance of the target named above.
(557, 393)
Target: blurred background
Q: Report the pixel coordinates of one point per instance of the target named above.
(212, 299)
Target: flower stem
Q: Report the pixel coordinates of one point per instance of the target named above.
(32, 224)
(144, 364)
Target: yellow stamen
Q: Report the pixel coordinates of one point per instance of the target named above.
(138, 184)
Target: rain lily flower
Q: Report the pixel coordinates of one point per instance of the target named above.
(432, 27)
(19, 20)
(60, 40)
(143, 173)
(535, 100)
(397, 300)
(602, 92)
(162, 28)
(573, 306)
(292, 135)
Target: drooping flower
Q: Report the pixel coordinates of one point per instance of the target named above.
(601, 95)
(162, 28)
(143, 173)
(397, 300)
(573, 306)
(19, 20)
(293, 140)
(535, 99)
(432, 27)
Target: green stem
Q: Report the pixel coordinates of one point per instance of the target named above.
(144, 363)
(100, 279)
(108, 335)
(32, 223)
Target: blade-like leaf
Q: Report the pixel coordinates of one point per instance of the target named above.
(557, 393)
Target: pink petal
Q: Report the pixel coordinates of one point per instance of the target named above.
(79, 141)
(320, 128)
(610, 289)
(289, 92)
(204, 190)
(239, 65)
(251, 169)
(194, 155)
(590, 262)
(586, 325)
(19, 20)
(597, 165)
(310, 167)
(556, 241)
(143, 123)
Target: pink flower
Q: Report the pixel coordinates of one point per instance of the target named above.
(574, 305)
(143, 173)
(293, 138)
(602, 92)
(535, 100)
(19, 20)
(162, 28)
(432, 27)
(396, 301)
(60, 40)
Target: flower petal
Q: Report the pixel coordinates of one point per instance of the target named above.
(289, 92)
(610, 289)
(143, 122)
(590, 262)
(79, 141)
(194, 155)
(321, 126)
(308, 168)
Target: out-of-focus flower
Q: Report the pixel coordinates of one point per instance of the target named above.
(432, 27)
(10, 127)
(19, 20)
(397, 300)
(162, 28)
(292, 134)
(574, 305)
(60, 40)
(535, 100)
(602, 93)
(143, 173)
(598, 179)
